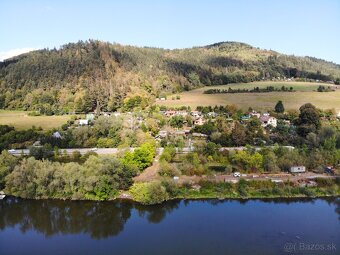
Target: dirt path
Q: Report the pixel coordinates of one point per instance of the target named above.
(150, 173)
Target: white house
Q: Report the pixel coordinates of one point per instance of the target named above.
(163, 133)
(196, 114)
(199, 121)
(182, 113)
(83, 122)
(57, 135)
(268, 120)
(255, 114)
(170, 113)
(297, 169)
(212, 114)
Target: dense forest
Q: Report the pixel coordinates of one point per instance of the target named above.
(90, 75)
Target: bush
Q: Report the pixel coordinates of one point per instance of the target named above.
(168, 169)
(141, 157)
(149, 193)
(324, 182)
(168, 153)
(170, 187)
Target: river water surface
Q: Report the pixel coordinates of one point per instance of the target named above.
(176, 227)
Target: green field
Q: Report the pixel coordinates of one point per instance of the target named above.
(21, 120)
(297, 86)
(305, 92)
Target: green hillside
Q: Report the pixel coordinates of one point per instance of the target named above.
(84, 76)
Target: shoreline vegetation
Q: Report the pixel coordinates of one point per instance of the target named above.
(307, 193)
(242, 190)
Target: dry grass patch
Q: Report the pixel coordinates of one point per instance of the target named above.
(21, 120)
(305, 93)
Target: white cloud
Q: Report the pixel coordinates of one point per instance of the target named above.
(14, 52)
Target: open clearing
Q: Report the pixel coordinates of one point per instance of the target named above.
(21, 120)
(305, 92)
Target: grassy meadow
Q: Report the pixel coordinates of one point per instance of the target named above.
(304, 92)
(21, 120)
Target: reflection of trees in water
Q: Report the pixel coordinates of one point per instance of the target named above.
(99, 219)
(156, 213)
(337, 208)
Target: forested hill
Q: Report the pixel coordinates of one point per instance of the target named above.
(87, 75)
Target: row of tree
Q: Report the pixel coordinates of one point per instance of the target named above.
(254, 90)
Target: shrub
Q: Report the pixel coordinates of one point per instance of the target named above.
(168, 169)
(149, 193)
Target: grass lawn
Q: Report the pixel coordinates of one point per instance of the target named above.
(21, 120)
(305, 93)
(297, 86)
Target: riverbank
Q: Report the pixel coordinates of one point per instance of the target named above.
(149, 193)
(154, 193)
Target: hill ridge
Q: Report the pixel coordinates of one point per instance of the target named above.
(93, 74)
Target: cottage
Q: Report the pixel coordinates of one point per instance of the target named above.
(57, 135)
(245, 117)
(170, 113)
(297, 169)
(163, 133)
(36, 144)
(83, 122)
(199, 135)
(182, 113)
(196, 114)
(212, 114)
(255, 114)
(199, 121)
(268, 120)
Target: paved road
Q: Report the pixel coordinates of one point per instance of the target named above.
(107, 151)
(99, 151)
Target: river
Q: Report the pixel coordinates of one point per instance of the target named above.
(176, 227)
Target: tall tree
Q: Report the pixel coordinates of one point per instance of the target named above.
(309, 120)
(279, 108)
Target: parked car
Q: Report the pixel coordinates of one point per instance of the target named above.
(237, 174)
(329, 170)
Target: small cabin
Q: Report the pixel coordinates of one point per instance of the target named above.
(297, 169)
(57, 135)
(83, 122)
(163, 133)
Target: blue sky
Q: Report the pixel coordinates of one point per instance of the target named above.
(299, 27)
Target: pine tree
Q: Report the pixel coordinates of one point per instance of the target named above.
(279, 108)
